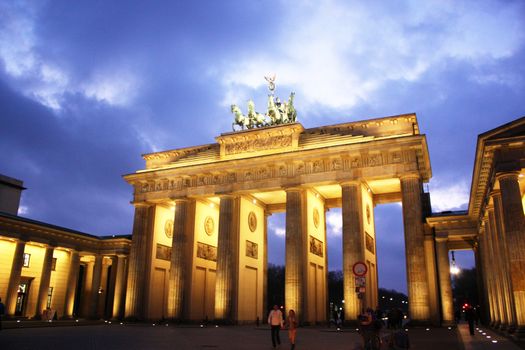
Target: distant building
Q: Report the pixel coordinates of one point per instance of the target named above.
(43, 266)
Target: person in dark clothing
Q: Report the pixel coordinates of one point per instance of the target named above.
(470, 316)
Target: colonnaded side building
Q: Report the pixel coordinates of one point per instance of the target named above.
(199, 244)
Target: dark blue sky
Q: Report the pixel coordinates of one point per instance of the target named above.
(86, 87)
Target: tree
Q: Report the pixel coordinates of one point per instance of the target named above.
(275, 289)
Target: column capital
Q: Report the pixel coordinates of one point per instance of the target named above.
(141, 204)
(181, 200)
(441, 237)
(494, 193)
(409, 176)
(228, 195)
(294, 189)
(511, 175)
(351, 183)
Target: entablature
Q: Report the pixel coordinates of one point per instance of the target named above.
(22, 229)
(380, 159)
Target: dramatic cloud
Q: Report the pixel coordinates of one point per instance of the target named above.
(450, 196)
(345, 52)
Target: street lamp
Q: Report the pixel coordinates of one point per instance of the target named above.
(453, 267)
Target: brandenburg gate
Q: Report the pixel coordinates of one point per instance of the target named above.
(200, 247)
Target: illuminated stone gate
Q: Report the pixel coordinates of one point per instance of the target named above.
(200, 236)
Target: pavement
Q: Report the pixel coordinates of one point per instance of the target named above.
(103, 335)
(484, 338)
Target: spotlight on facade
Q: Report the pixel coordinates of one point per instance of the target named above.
(453, 267)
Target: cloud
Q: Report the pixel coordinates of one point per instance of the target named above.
(41, 77)
(334, 223)
(279, 231)
(345, 52)
(452, 195)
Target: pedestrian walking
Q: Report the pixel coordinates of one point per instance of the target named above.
(291, 323)
(275, 320)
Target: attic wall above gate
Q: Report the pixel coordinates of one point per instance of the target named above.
(277, 157)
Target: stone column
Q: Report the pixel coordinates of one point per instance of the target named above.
(514, 222)
(109, 306)
(137, 270)
(72, 281)
(294, 278)
(45, 277)
(433, 279)
(498, 275)
(87, 289)
(97, 273)
(488, 273)
(479, 280)
(178, 281)
(120, 287)
(353, 245)
(418, 298)
(445, 288)
(14, 278)
(504, 261)
(227, 260)
(265, 268)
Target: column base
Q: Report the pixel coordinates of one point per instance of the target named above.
(503, 327)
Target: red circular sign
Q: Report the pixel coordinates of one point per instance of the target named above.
(360, 268)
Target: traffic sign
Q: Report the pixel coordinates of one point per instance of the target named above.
(360, 269)
(360, 281)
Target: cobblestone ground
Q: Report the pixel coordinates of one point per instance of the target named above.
(143, 336)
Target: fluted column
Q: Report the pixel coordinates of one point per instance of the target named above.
(480, 272)
(109, 306)
(294, 278)
(504, 261)
(72, 281)
(45, 277)
(488, 273)
(120, 287)
(137, 270)
(514, 222)
(179, 245)
(501, 318)
(14, 278)
(265, 266)
(445, 288)
(97, 273)
(418, 297)
(227, 260)
(353, 244)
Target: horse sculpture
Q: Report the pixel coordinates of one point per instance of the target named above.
(240, 119)
(255, 119)
(290, 109)
(273, 112)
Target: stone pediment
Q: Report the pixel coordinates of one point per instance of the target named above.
(275, 139)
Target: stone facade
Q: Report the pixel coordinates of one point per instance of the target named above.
(44, 266)
(220, 270)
